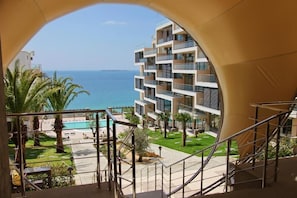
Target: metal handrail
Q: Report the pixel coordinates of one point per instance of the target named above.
(117, 170)
(213, 147)
(81, 112)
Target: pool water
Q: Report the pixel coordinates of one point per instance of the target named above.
(84, 124)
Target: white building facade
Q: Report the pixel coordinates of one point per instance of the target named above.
(175, 76)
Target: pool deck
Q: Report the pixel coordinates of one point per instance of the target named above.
(47, 126)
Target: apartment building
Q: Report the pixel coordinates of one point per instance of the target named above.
(23, 58)
(175, 76)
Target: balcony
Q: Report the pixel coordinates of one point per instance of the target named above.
(164, 57)
(138, 84)
(165, 74)
(182, 45)
(150, 82)
(166, 94)
(164, 40)
(206, 78)
(195, 113)
(150, 96)
(149, 52)
(202, 66)
(184, 66)
(150, 67)
(140, 60)
(186, 108)
(184, 87)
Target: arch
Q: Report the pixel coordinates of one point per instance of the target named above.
(252, 44)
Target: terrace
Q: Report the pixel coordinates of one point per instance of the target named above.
(166, 177)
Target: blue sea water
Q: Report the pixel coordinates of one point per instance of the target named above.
(107, 88)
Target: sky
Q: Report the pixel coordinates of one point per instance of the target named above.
(99, 37)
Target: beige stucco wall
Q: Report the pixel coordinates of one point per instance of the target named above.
(252, 44)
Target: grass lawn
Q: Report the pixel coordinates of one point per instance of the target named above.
(193, 144)
(44, 154)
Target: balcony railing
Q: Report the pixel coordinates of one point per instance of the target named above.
(186, 107)
(150, 67)
(140, 60)
(184, 66)
(139, 87)
(202, 66)
(164, 57)
(148, 52)
(150, 82)
(164, 40)
(186, 44)
(185, 87)
(166, 92)
(206, 78)
(164, 74)
(150, 96)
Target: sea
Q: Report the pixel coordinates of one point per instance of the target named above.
(107, 88)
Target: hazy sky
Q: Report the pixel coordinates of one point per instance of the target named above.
(103, 36)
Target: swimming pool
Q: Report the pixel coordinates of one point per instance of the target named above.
(84, 124)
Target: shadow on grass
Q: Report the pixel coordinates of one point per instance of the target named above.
(44, 154)
(193, 144)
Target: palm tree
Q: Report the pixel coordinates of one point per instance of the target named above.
(22, 89)
(144, 121)
(164, 116)
(63, 91)
(184, 118)
(38, 106)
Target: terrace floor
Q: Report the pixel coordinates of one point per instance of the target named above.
(87, 191)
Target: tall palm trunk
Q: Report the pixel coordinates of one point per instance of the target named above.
(165, 129)
(58, 129)
(22, 144)
(184, 134)
(36, 132)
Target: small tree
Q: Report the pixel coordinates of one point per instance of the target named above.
(141, 142)
(164, 116)
(184, 118)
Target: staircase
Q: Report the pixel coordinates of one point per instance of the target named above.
(203, 173)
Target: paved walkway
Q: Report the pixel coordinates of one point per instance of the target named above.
(84, 154)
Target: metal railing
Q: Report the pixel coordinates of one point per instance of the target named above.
(193, 175)
(187, 177)
(88, 135)
(115, 161)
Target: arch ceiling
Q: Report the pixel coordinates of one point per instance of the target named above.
(252, 44)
